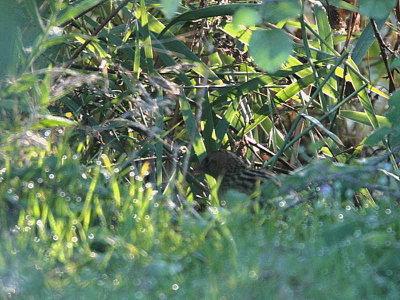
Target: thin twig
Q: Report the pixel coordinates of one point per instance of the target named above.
(383, 47)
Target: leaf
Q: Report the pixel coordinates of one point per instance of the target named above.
(170, 7)
(270, 49)
(9, 33)
(223, 124)
(291, 90)
(362, 117)
(376, 9)
(357, 81)
(395, 63)
(169, 44)
(48, 121)
(246, 17)
(244, 88)
(328, 132)
(377, 136)
(340, 4)
(276, 11)
(192, 128)
(74, 10)
(324, 28)
(365, 41)
(208, 12)
(393, 113)
(145, 34)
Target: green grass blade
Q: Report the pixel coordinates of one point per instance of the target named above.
(191, 127)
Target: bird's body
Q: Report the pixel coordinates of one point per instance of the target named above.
(235, 173)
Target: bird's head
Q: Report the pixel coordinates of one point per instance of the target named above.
(220, 162)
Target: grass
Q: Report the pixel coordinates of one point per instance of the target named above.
(101, 123)
(74, 237)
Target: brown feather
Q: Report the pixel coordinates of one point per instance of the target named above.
(235, 173)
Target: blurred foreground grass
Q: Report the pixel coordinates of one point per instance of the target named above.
(73, 231)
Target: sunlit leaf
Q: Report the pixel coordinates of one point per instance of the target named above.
(74, 10)
(246, 17)
(170, 7)
(49, 121)
(362, 117)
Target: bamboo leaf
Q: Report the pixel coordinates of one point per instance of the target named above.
(362, 117)
(211, 11)
(328, 132)
(192, 128)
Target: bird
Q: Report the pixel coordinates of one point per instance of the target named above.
(234, 172)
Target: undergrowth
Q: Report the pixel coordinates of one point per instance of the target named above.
(108, 106)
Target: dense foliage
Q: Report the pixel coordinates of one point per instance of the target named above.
(106, 108)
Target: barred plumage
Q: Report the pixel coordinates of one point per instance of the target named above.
(236, 175)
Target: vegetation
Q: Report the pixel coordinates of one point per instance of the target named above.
(106, 108)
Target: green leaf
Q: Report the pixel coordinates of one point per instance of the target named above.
(393, 113)
(291, 90)
(324, 28)
(170, 7)
(246, 17)
(357, 81)
(277, 11)
(395, 63)
(145, 33)
(328, 132)
(208, 12)
(244, 88)
(49, 121)
(243, 35)
(376, 9)
(270, 49)
(362, 117)
(192, 128)
(223, 124)
(170, 44)
(365, 41)
(9, 33)
(377, 136)
(340, 4)
(74, 10)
